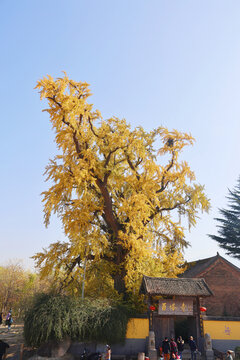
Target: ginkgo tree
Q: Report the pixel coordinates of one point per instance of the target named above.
(117, 191)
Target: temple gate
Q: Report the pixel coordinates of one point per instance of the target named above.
(174, 307)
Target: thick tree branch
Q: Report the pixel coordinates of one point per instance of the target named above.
(109, 156)
(91, 126)
(132, 166)
(108, 209)
(164, 186)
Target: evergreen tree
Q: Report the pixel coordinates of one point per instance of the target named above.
(229, 224)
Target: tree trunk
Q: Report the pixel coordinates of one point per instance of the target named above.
(119, 283)
(120, 272)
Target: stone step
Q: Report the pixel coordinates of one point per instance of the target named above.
(186, 355)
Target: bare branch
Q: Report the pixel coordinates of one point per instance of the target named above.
(170, 208)
(163, 186)
(54, 100)
(80, 95)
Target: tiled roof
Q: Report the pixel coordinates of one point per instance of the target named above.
(195, 268)
(174, 286)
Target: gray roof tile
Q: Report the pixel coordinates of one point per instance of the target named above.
(175, 286)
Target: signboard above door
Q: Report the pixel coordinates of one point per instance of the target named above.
(175, 307)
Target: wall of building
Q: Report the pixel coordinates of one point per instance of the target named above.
(137, 328)
(222, 330)
(225, 334)
(136, 338)
(136, 341)
(224, 281)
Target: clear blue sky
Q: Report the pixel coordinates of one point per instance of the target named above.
(154, 62)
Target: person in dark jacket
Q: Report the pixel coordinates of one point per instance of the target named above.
(166, 349)
(173, 349)
(180, 345)
(3, 348)
(193, 348)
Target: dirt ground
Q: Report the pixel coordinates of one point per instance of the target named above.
(14, 338)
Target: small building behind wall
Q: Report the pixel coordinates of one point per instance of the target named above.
(224, 279)
(177, 302)
(222, 318)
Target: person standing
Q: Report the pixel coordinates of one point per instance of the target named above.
(193, 348)
(3, 347)
(1, 318)
(180, 346)
(229, 355)
(173, 349)
(9, 320)
(166, 349)
(108, 353)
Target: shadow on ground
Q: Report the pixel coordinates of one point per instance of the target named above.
(14, 338)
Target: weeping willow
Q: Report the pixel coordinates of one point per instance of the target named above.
(57, 317)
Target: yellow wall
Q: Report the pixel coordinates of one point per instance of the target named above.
(137, 329)
(222, 330)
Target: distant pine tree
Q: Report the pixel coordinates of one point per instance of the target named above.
(229, 224)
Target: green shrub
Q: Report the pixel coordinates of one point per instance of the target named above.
(56, 317)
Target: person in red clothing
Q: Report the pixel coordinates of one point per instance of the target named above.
(108, 353)
(173, 349)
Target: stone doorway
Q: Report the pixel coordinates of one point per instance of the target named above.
(173, 326)
(185, 326)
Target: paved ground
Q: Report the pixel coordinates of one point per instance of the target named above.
(14, 338)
